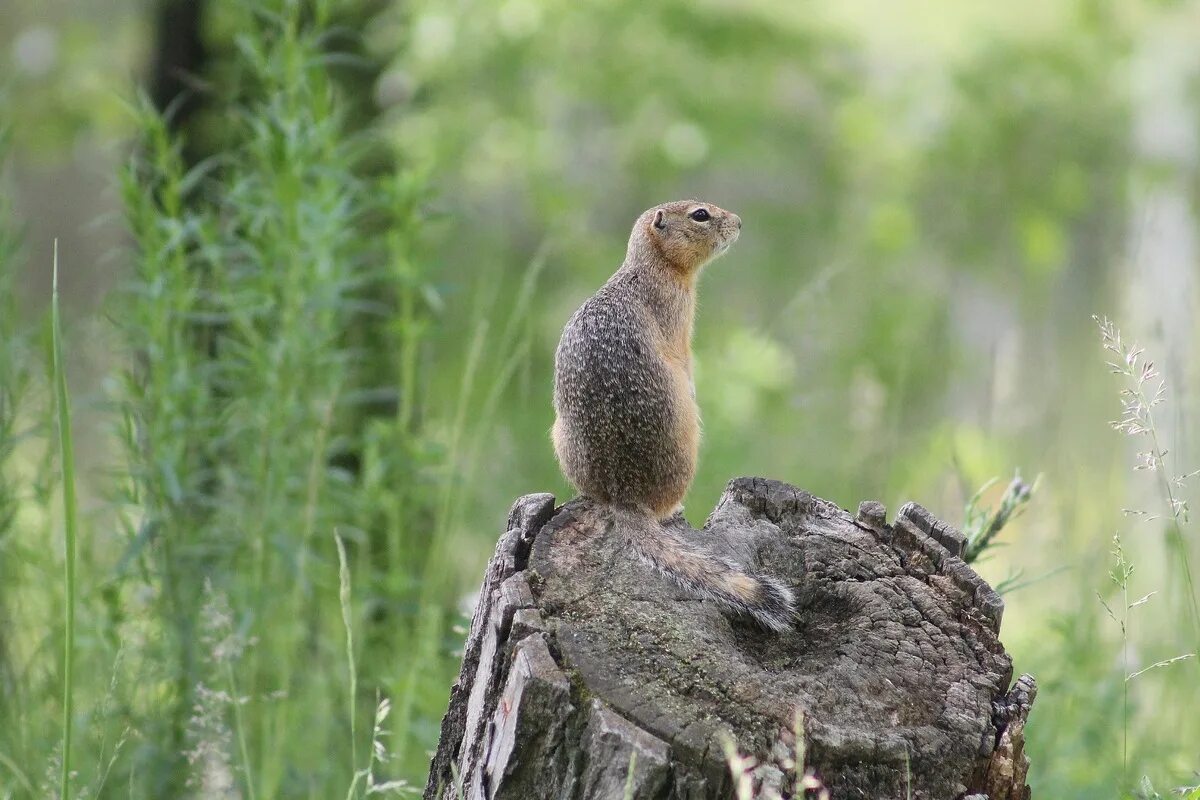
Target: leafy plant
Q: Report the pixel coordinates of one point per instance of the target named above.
(982, 525)
(274, 321)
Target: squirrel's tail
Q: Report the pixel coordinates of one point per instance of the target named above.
(764, 599)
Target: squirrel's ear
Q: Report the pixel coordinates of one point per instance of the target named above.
(660, 219)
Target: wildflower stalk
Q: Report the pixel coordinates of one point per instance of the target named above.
(1137, 419)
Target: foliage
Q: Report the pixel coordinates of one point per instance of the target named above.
(982, 525)
(270, 327)
(1046, 111)
(66, 450)
(343, 288)
(265, 307)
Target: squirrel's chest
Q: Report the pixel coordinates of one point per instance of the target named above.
(674, 346)
(677, 360)
(686, 412)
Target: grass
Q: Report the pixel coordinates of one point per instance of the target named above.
(239, 729)
(14, 384)
(70, 531)
(344, 595)
(1144, 392)
(1121, 572)
(271, 341)
(804, 780)
(981, 526)
(627, 792)
(16, 380)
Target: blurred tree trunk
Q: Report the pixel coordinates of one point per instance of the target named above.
(180, 57)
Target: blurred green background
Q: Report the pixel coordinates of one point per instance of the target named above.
(315, 257)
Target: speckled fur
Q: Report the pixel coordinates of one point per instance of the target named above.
(627, 427)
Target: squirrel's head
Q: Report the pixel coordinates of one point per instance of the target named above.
(686, 234)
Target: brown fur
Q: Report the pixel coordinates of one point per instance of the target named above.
(627, 427)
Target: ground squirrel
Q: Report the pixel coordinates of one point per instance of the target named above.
(627, 428)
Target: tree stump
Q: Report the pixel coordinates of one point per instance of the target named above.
(588, 675)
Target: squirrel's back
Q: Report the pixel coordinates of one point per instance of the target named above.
(627, 428)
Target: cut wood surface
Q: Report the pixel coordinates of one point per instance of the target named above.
(588, 675)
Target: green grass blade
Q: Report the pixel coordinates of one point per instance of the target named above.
(344, 599)
(67, 455)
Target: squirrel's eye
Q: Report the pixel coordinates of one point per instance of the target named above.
(700, 215)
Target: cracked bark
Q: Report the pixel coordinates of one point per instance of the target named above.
(586, 674)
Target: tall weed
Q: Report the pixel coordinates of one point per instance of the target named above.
(276, 320)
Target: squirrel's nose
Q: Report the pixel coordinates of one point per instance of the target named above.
(738, 221)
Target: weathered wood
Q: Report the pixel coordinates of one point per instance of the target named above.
(585, 673)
